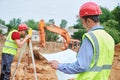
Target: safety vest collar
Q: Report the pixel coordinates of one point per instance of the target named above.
(96, 28)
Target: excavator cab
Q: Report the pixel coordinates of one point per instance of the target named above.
(74, 44)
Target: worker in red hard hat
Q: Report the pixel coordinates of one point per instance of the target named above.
(95, 56)
(10, 49)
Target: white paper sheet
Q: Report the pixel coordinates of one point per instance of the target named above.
(66, 56)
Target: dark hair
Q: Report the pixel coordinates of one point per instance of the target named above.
(95, 18)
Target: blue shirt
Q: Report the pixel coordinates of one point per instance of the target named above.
(84, 58)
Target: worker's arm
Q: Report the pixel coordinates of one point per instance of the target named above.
(84, 59)
(21, 43)
(16, 37)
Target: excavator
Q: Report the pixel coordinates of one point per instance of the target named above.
(68, 42)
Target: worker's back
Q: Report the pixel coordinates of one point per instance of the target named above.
(103, 56)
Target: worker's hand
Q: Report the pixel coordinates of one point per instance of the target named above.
(28, 36)
(54, 64)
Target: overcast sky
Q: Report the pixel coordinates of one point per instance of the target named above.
(47, 9)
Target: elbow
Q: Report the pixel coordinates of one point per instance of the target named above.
(83, 69)
(19, 45)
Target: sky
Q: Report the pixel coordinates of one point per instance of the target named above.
(47, 9)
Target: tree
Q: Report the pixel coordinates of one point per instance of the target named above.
(63, 23)
(106, 15)
(1, 31)
(112, 24)
(31, 23)
(51, 21)
(2, 22)
(50, 36)
(113, 28)
(116, 13)
(78, 35)
(13, 24)
(79, 24)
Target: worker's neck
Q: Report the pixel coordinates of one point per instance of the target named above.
(93, 25)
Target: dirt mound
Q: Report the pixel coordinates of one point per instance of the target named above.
(50, 47)
(26, 71)
(117, 49)
(115, 72)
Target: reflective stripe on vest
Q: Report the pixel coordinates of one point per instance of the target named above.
(10, 46)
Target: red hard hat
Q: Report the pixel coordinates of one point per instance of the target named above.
(22, 27)
(89, 8)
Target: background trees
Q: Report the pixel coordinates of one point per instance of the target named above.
(33, 24)
(116, 13)
(109, 19)
(63, 23)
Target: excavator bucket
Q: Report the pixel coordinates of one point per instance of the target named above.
(38, 56)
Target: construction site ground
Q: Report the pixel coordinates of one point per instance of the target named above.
(44, 71)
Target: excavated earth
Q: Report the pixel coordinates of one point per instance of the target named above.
(44, 71)
(115, 72)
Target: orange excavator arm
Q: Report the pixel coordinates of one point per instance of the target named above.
(55, 29)
(41, 27)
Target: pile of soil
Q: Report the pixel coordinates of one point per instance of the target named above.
(50, 47)
(115, 72)
(25, 71)
(45, 72)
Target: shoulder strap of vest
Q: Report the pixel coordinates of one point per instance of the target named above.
(9, 35)
(96, 46)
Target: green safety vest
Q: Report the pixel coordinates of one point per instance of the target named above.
(100, 66)
(10, 47)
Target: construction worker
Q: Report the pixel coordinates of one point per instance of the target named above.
(95, 56)
(10, 48)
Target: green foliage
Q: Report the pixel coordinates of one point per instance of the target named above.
(116, 13)
(78, 35)
(50, 36)
(2, 22)
(10, 27)
(1, 31)
(31, 23)
(112, 24)
(78, 25)
(63, 23)
(115, 34)
(13, 24)
(106, 15)
(51, 21)
(113, 28)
